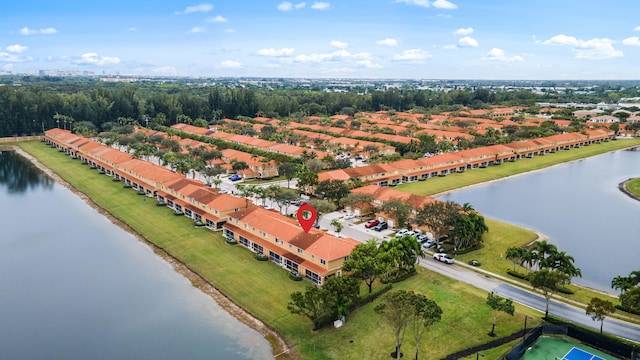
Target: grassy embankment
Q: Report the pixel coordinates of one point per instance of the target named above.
(471, 177)
(496, 242)
(633, 186)
(263, 289)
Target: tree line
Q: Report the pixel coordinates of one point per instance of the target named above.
(29, 108)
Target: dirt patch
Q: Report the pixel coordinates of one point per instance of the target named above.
(278, 345)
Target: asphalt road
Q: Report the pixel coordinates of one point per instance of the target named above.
(533, 300)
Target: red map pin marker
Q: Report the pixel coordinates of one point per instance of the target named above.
(306, 217)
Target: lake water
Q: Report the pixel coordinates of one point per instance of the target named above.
(578, 206)
(75, 286)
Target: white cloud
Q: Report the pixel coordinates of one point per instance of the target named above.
(132, 29)
(287, 6)
(412, 55)
(632, 41)
(423, 3)
(387, 42)
(450, 47)
(45, 31)
(320, 5)
(594, 49)
(230, 64)
(561, 40)
(197, 29)
(217, 19)
(496, 54)
(444, 4)
(272, 66)
(315, 58)
(464, 31)
(468, 41)
(94, 59)
(339, 44)
(12, 58)
(363, 55)
(16, 48)
(368, 64)
(276, 52)
(196, 8)
(229, 31)
(637, 28)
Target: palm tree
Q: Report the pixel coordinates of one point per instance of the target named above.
(622, 283)
(544, 251)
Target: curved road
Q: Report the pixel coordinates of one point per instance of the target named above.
(533, 300)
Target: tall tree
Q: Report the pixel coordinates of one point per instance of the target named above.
(497, 303)
(426, 313)
(397, 310)
(288, 170)
(364, 263)
(598, 309)
(437, 217)
(343, 292)
(314, 303)
(398, 209)
(546, 282)
(515, 254)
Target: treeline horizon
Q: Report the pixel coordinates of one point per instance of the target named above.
(36, 106)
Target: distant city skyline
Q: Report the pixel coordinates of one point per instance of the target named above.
(407, 39)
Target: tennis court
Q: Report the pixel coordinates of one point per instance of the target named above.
(552, 348)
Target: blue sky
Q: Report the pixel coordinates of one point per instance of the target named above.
(413, 39)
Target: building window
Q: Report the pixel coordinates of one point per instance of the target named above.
(244, 241)
(275, 258)
(299, 251)
(279, 242)
(346, 258)
(246, 226)
(323, 262)
(317, 279)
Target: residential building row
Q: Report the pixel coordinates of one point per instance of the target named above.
(409, 170)
(315, 255)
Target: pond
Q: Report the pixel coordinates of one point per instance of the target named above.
(578, 206)
(75, 286)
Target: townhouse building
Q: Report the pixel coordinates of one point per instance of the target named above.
(315, 255)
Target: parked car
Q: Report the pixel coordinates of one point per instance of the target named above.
(235, 177)
(401, 232)
(423, 238)
(223, 191)
(371, 223)
(443, 258)
(429, 244)
(382, 226)
(350, 216)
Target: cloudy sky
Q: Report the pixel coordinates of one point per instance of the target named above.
(418, 39)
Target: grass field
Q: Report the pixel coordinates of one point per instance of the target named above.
(470, 177)
(633, 187)
(263, 289)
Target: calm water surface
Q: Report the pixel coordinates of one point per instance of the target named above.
(75, 286)
(578, 206)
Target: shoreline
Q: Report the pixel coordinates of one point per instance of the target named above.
(277, 342)
(528, 172)
(623, 187)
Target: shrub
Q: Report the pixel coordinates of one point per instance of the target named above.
(293, 275)
(518, 275)
(626, 309)
(564, 290)
(474, 262)
(230, 241)
(260, 256)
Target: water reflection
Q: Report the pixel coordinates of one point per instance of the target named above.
(75, 286)
(18, 175)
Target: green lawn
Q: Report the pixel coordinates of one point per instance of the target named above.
(634, 186)
(470, 177)
(263, 288)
